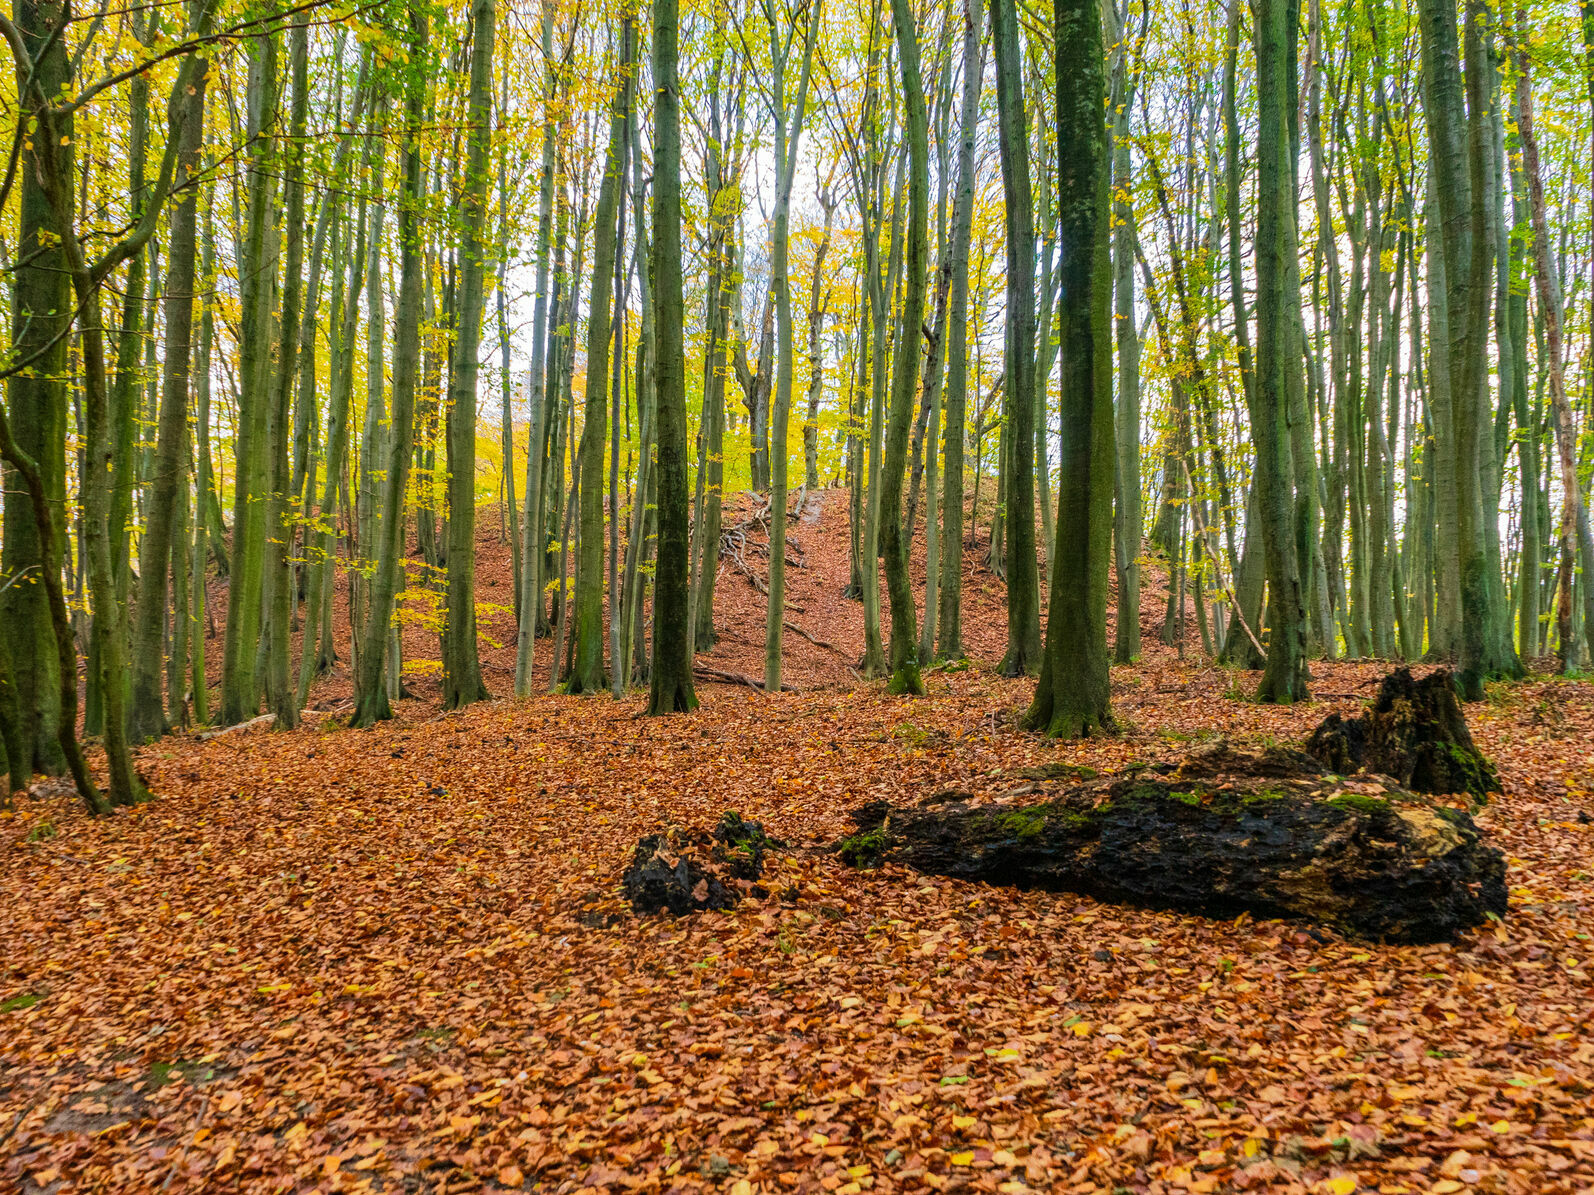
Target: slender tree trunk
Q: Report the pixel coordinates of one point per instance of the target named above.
(788, 133)
(950, 640)
(462, 672)
(145, 715)
(1575, 532)
(372, 701)
(281, 693)
(587, 674)
(903, 657)
(1023, 585)
(670, 681)
(240, 682)
(1127, 529)
(1284, 677)
(533, 540)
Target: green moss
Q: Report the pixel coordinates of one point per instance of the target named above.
(863, 849)
(1191, 799)
(162, 1073)
(18, 1003)
(906, 681)
(1147, 791)
(1361, 803)
(1476, 773)
(1028, 821)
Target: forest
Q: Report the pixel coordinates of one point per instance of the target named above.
(1107, 486)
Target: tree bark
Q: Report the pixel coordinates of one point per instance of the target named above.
(670, 680)
(1073, 697)
(462, 671)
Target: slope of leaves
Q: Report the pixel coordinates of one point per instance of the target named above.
(398, 960)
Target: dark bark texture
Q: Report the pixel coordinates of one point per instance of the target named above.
(1222, 832)
(1414, 733)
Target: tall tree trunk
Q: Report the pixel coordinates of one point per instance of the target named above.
(372, 701)
(788, 133)
(1284, 677)
(533, 540)
(903, 656)
(949, 644)
(1023, 585)
(1240, 647)
(1127, 520)
(145, 713)
(281, 692)
(43, 667)
(670, 683)
(1575, 532)
(587, 674)
(1073, 696)
(711, 425)
(462, 671)
(240, 686)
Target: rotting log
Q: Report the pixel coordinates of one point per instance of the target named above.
(1414, 733)
(1222, 832)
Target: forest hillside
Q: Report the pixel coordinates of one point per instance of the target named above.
(398, 959)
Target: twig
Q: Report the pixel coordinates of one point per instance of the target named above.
(16, 1122)
(797, 630)
(204, 1107)
(238, 727)
(735, 678)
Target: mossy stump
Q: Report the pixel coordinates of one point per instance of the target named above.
(1414, 733)
(1222, 832)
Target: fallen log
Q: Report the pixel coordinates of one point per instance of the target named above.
(1415, 733)
(1224, 831)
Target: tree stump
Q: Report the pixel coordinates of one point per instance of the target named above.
(1224, 831)
(682, 871)
(1414, 733)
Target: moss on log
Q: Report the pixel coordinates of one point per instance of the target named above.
(1224, 831)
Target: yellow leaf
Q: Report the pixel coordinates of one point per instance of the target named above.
(742, 1187)
(964, 1158)
(1083, 1029)
(1250, 1147)
(1343, 1184)
(1445, 1186)
(963, 1122)
(1500, 1126)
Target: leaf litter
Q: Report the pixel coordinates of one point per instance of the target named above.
(399, 960)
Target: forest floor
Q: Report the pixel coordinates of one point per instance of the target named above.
(397, 960)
